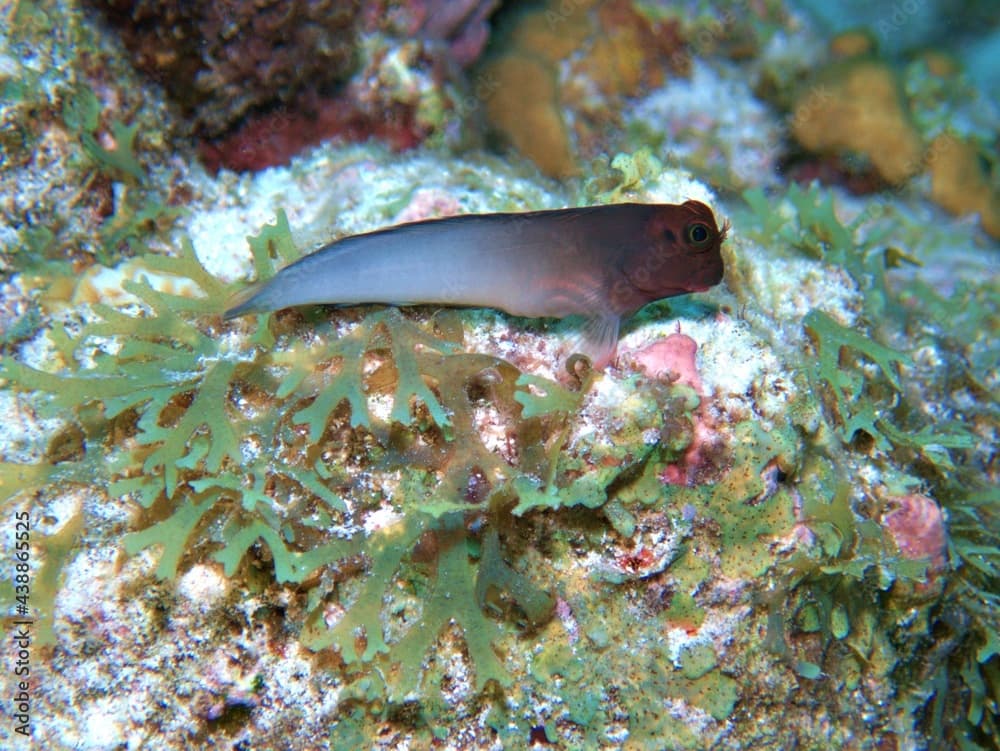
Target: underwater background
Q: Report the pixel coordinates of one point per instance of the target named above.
(772, 523)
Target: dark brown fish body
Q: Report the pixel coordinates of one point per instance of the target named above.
(601, 262)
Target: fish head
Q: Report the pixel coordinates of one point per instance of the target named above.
(680, 252)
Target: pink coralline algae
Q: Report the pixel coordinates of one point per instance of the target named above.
(675, 358)
(676, 355)
(569, 622)
(917, 527)
(428, 203)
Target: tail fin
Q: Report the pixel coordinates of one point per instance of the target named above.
(247, 300)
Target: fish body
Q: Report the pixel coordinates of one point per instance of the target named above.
(601, 262)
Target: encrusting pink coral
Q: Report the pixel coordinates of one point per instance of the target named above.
(917, 527)
(677, 354)
(676, 358)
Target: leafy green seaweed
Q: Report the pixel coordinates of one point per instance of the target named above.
(81, 114)
(851, 580)
(846, 383)
(406, 492)
(223, 456)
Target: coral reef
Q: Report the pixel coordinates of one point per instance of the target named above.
(857, 106)
(556, 114)
(961, 183)
(258, 83)
(404, 92)
(868, 407)
(869, 126)
(219, 62)
(462, 25)
(219, 467)
(732, 145)
(772, 522)
(398, 487)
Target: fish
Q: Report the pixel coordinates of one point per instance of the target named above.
(600, 262)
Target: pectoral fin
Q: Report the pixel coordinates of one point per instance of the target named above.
(599, 338)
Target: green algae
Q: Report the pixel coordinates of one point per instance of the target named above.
(697, 659)
(81, 114)
(221, 457)
(540, 396)
(57, 548)
(853, 585)
(750, 514)
(457, 560)
(164, 358)
(496, 576)
(846, 384)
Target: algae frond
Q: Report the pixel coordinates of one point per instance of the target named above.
(236, 449)
(855, 591)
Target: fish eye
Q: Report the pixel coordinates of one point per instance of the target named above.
(698, 234)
